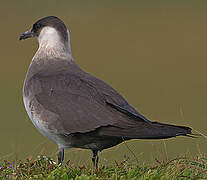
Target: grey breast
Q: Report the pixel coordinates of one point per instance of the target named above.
(62, 99)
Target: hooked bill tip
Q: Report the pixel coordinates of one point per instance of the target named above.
(25, 35)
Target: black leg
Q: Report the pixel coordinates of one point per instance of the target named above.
(95, 158)
(60, 156)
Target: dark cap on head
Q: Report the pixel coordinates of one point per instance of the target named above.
(50, 21)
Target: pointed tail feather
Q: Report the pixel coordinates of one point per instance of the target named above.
(153, 130)
(162, 131)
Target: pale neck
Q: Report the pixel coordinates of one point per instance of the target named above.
(51, 52)
(52, 46)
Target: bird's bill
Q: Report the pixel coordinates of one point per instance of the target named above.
(25, 35)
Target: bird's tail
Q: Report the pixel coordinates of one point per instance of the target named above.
(158, 130)
(152, 130)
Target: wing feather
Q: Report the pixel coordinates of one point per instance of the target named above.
(81, 102)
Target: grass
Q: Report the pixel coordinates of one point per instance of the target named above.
(45, 168)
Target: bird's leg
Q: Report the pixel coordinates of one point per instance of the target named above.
(60, 156)
(95, 158)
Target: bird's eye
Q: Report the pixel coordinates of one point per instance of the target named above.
(36, 26)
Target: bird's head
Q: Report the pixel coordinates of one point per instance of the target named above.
(50, 32)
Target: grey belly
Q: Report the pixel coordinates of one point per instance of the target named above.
(35, 114)
(48, 128)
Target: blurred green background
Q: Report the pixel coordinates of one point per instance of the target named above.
(152, 52)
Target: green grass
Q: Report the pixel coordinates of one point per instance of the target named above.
(45, 168)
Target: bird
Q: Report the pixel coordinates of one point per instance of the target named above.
(73, 108)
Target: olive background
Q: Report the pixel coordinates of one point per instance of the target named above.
(152, 52)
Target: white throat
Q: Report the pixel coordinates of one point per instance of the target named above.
(49, 38)
(50, 44)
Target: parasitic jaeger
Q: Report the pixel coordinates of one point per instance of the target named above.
(75, 109)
